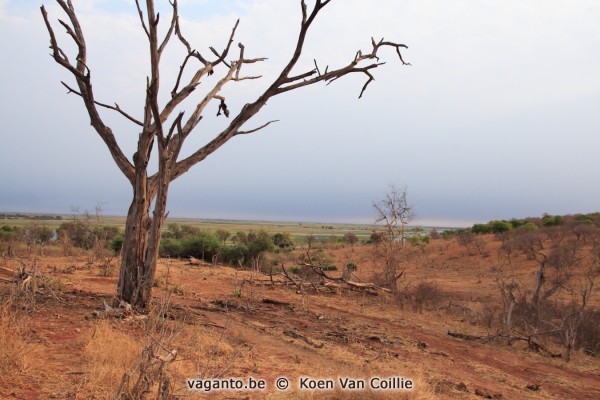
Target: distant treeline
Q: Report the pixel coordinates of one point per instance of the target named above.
(547, 220)
(42, 217)
(178, 241)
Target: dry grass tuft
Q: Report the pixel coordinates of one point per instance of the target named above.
(109, 354)
(204, 353)
(17, 354)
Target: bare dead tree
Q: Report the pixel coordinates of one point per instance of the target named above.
(581, 292)
(393, 213)
(157, 135)
(466, 238)
(508, 286)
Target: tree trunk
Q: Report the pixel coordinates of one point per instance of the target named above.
(142, 236)
(133, 253)
(540, 279)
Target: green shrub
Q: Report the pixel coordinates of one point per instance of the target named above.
(552, 220)
(481, 228)
(117, 243)
(283, 240)
(294, 269)
(170, 248)
(500, 226)
(351, 266)
(234, 254)
(204, 245)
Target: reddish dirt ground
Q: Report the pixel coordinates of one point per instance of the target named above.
(315, 334)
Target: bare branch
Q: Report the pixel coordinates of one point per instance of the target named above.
(285, 83)
(115, 107)
(57, 53)
(317, 68)
(352, 67)
(257, 129)
(82, 75)
(366, 83)
(246, 78)
(169, 33)
(226, 51)
(141, 14)
(175, 124)
(177, 95)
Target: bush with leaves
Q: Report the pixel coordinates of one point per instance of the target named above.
(204, 245)
(85, 235)
(283, 240)
(8, 236)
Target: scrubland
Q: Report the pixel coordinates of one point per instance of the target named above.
(462, 321)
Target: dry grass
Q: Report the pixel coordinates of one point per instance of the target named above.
(246, 337)
(18, 355)
(108, 355)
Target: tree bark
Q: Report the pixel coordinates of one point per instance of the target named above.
(137, 227)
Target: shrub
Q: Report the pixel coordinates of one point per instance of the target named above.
(85, 236)
(481, 228)
(117, 243)
(376, 237)
(552, 220)
(234, 254)
(427, 295)
(204, 245)
(500, 226)
(170, 248)
(283, 240)
(294, 269)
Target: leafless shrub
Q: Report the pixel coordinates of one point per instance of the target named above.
(150, 374)
(489, 315)
(589, 333)
(466, 239)
(527, 241)
(393, 213)
(427, 295)
(480, 245)
(565, 268)
(108, 267)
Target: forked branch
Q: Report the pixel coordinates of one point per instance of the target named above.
(284, 83)
(82, 75)
(115, 107)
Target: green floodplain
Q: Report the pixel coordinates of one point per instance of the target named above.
(296, 229)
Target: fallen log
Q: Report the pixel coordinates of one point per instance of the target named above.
(306, 340)
(465, 336)
(277, 302)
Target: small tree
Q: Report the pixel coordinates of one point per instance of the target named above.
(163, 128)
(283, 240)
(466, 238)
(43, 234)
(223, 235)
(393, 214)
(351, 238)
(8, 235)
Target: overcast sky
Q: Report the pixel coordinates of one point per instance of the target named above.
(498, 116)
